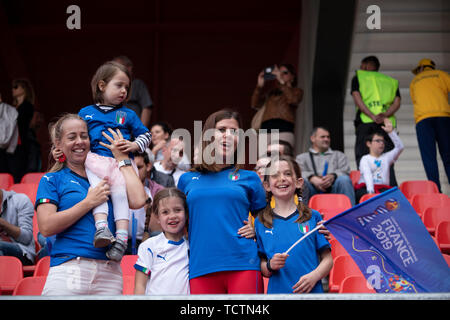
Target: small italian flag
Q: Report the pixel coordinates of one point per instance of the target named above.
(44, 200)
(233, 176)
(304, 228)
(120, 117)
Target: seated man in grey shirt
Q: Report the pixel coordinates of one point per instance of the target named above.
(323, 169)
(16, 226)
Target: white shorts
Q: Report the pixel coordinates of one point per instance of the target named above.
(82, 276)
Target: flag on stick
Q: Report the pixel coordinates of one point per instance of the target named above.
(391, 246)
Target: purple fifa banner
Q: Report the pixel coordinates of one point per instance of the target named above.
(391, 246)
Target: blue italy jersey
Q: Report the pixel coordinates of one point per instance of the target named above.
(99, 120)
(218, 204)
(302, 259)
(65, 189)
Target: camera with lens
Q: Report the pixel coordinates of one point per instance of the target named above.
(268, 75)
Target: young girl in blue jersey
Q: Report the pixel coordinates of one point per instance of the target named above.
(162, 266)
(278, 228)
(111, 86)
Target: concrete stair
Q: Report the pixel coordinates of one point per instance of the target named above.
(410, 31)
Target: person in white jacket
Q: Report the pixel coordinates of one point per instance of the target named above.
(374, 167)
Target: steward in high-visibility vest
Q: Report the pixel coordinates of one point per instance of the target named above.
(377, 91)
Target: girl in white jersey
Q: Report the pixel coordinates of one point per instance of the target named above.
(374, 167)
(162, 266)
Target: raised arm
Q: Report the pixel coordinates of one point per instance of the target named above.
(135, 188)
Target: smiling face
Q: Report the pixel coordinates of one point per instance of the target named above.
(284, 182)
(74, 142)
(116, 90)
(172, 217)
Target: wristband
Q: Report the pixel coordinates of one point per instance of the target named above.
(268, 266)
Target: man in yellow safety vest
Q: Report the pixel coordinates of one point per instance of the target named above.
(376, 96)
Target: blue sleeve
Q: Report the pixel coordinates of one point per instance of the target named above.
(258, 194)
(136, 126)
(182, 182)
(259, 230)
(47, 190)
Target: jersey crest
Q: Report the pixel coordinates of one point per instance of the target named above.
(120, 117)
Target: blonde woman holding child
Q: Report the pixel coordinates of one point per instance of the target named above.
(111, 86)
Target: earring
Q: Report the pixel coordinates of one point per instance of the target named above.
(272, 202)
(62, 158)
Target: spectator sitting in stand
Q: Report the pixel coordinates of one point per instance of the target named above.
(16, 226)
(323, 169)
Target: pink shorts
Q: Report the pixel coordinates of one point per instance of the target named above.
(103, 166)
(231, 282)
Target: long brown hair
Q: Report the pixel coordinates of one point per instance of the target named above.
(266, 215)
(210, 123)
(27, 87)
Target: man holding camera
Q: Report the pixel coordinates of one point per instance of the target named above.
(276, 91)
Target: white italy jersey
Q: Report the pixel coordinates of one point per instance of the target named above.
(166, 262)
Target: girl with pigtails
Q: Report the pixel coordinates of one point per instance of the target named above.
(279, 225)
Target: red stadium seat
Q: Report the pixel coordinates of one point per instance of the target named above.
(32, 177)
(343, 267)
(30, 189)
(332, 201)
(42, 267)
(128, 285)
(10, 273)
(354, 176)
(367, 196)
(422, 201)
(355, 284)
(432, 216)
(329, 213)
(6, 181)
(127, 265)
(443, 236)
(30, 286)
(412, 187)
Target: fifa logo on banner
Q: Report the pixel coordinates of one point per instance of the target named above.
(389, 205)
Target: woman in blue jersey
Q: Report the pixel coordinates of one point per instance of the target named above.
(302, 270)
(64, 204)
(223, 255)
